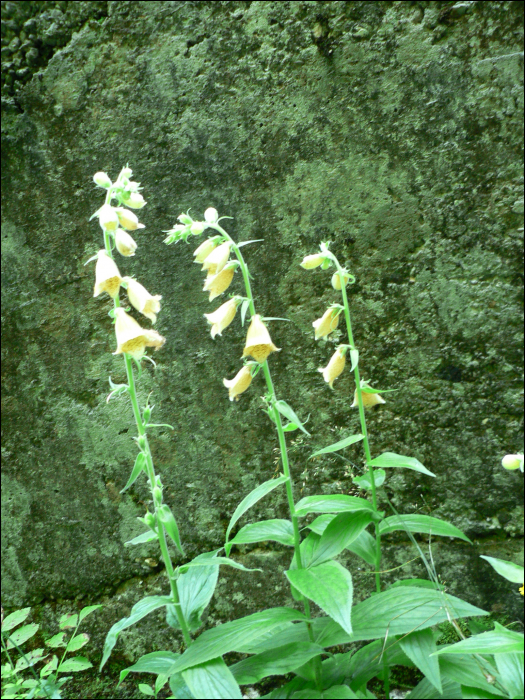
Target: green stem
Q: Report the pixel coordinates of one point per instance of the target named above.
(150, 471)
(362, 420)
(282, 446)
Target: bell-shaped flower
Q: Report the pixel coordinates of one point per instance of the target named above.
(369, 400)
(217, 259)
(239, 383)
(126, 246)
(135, 200)
(312, 261)
(131, 338)
(327, 323)
(142, 300)
(217, 284)
(336, 279)
(205, 248)
(107, 218)
(258, 342)
(107, 275)
(128, 219)
(223, 316)
(334, 368)
(211, 215)
(102, 180)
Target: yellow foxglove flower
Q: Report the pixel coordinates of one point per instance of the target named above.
(217, 259)
(239, 383)
(326, 324)
(512, 462)
(223, 316)
(258, 342)
(128, 219)
(311, 261)
(217, 284)
(107, 276)
(369, 400)
(205, 248)
(131, 338)
(126, 246)
(521, 590)
(334, 368)
(142, 300)
(107, 218)
(336, 280)
(135, 201)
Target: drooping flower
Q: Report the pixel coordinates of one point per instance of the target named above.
(239, 383)
(107, 275)
(217, 284)
(258, 342)
(512, 462)
(107, 218)
(128, 219)
(132, 339)
(223, 316)
(312, 261)
(201, 253)
(369, 400)
(334, 368)
(142, 300)
(327, 323)
(135, 200)
(126, 246)
(217, 259)
(336, 279)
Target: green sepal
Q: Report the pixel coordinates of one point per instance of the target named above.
(169, 523)
(139, 467)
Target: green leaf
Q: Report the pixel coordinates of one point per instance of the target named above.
(196, 588)
(469, 693)
(329, 585)
(337, 503)
(21, 635)
(138, 611)
(420, 523)
(275, 661)
(140, 539)
(167, 519)
(179, 688)
(419, 583)
(499, 641)
(57, 640)
(290, 427)
(77, 642)
(338, 535)
(156, 662)
(365, 547)
(252, 498)
(216, 562)
(354, 358)
(276, 530)
(466, 671)
(339, 691)
(424, 690)
(338, 445)
(398, 611)
(68, 621)
(244, 308)
(419, 647)
(364, 481)
(510, 667)
(14, 619)
(212, 679)
(146, 689)
(231, 635)
(79, 663)
(391, 459)
(512, 572)
(287, 411)
(87, 611)
(255, 240)
(369, 661)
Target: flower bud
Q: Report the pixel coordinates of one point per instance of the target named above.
(334, 368)
(150, 520)
(239, 383)
(157, 495)
(312, 261)
(102, 180)
(126, 172)
(197, 228)
(126, 246)
(258, 342)
(205, 248)
(512, 462)
(135, 200)
(211, 215)
(107, 218)
(128, 219)
(142, 300)
(327, 323)
(107, 275)
(217, 259)
(223, 316)
(336, 280)
(185, 219)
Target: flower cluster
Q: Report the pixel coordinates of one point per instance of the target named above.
(115, 222)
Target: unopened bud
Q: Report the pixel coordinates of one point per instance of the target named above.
(312, 261)
(128, 219)
(126, 246)
(512, 462)
(185, 219)
(135, 200)
(211, 215)
(126, 172)
(146, 414)
(150, 520)
(197, 228)
(157, 495)
(102, 180)
(141, 441)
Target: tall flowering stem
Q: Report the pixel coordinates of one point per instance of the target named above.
(109, 239)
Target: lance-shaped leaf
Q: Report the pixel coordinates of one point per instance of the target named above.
(419, 647)
(338, 445)
(22, 634)
(276, 530)
(274, 662)
(79, 663)
(87, 611)
(287, 411)
(420, 523)
(364, 481)
(510, 667)
(252, 498)
(329, 585)
(500, 640)
(466, 671)
(196, 588)
(139, 467)
(213, 680)
(337, 503)
(14, 619)
(338, 535)
(158, 662)
(148, 536)
(512, 572)
(391, 459)
(354, 358)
